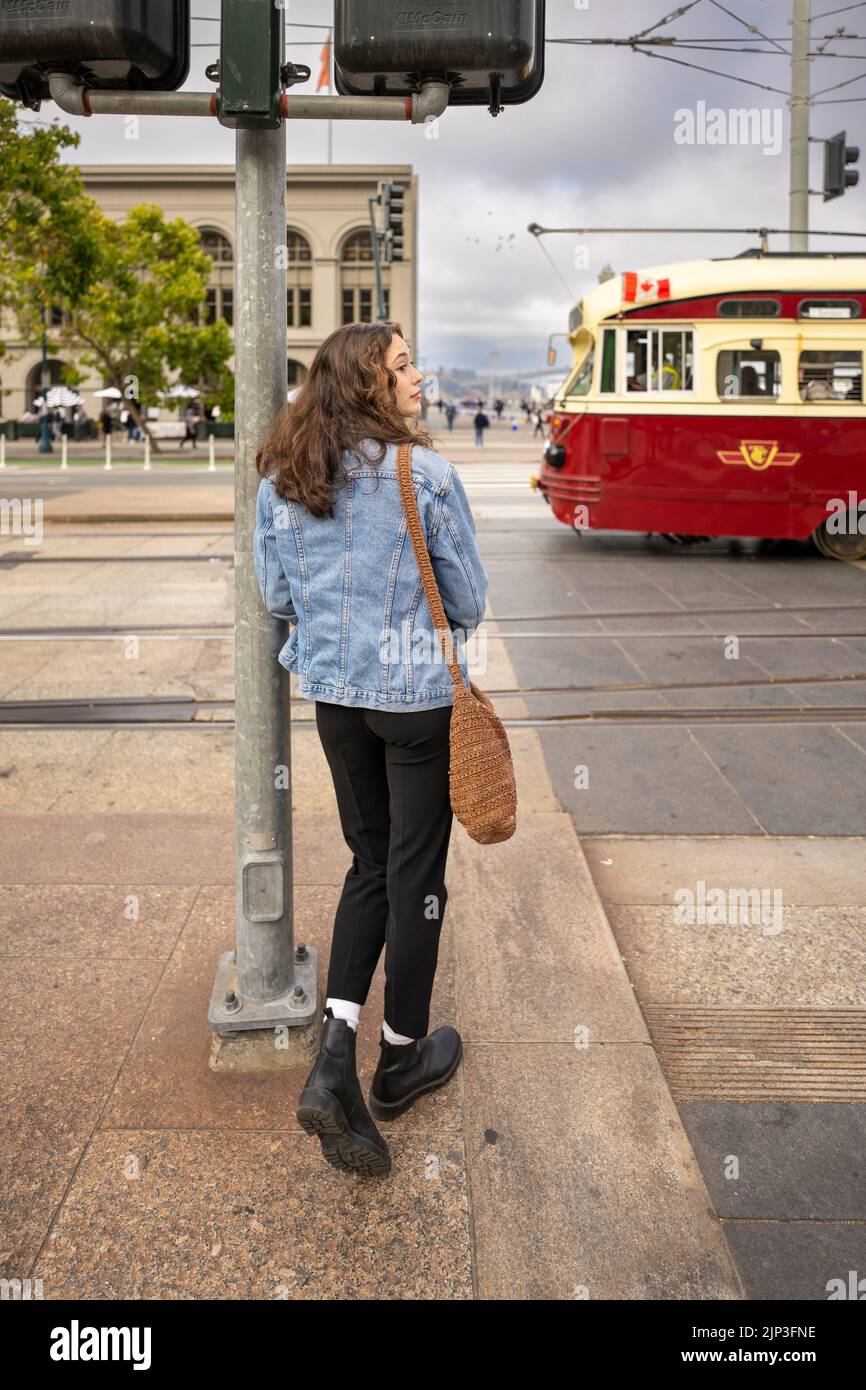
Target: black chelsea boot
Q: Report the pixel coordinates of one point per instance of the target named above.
(409, 1070)
(331, 1105)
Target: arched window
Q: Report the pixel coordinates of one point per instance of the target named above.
(358, 280)
(296, 372)
(299, 281)
(217, 246)
(55, 370)
(298, 247)
(219, 296)
(357, 247)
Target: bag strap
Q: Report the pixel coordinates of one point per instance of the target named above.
(425, 568)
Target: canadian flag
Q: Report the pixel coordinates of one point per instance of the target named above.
(639, 287)
(325, 66)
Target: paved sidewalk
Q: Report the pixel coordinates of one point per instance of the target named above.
(546, 1170)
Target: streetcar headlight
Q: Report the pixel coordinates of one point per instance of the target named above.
(554, 455)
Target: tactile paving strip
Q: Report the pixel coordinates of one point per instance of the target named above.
(763, 1054)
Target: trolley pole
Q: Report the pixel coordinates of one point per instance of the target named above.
(798, 220)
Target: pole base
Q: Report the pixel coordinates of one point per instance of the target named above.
(291, 1009)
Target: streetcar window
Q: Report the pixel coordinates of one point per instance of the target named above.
(749, 309)
(608, 360)
(748, 372)
(831, 375)
(582, 381)
(829, 309)
(659, 359)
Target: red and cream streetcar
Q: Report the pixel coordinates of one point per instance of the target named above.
(717, 398)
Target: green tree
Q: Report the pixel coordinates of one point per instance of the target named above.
(48, 250)
(132, 291)
(48, 243)
(140, 320)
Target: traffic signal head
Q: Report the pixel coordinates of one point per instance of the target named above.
(114, 45)
(391, 200)
(490, 52)
(836, 156)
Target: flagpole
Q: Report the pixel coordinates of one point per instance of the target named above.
(326, 54)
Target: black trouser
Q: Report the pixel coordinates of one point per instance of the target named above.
(390, 774)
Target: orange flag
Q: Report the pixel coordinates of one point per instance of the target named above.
(325, 69)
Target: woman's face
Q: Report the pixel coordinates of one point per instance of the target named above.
(408, 377)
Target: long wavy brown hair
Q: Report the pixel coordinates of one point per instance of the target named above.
(347, 395)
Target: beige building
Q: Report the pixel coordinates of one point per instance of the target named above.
(331, 276)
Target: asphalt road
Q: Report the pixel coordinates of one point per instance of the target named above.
(727, 681)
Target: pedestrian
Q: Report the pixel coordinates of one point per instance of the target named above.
(450, 414)
(191, 420)
(365, 650)
(481, 423)
(539, 425)
(106, 421)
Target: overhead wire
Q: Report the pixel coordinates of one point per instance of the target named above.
(752, 28)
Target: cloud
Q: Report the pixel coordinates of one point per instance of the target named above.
(596, 147)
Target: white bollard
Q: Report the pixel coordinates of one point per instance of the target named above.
(147, 452)
(64, 444)
(108, 451)
(211, 448)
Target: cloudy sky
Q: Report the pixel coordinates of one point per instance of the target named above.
(600, 146)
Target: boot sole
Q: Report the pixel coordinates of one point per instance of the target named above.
(320, 1113)
(380, 1110)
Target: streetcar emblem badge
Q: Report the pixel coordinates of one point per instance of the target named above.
(758, 454)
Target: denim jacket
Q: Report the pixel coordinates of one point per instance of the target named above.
(349, 585)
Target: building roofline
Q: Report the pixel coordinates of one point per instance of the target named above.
(225, 173)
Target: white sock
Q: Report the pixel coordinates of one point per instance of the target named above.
(392, 1037)
(347, 1009)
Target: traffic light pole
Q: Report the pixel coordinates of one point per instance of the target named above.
(798, 218)
(264, 982)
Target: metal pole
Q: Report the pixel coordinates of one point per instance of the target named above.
(798, 219)
(259, 985)
(374, 239)
(45, 446)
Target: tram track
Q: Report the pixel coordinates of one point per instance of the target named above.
(172, 712)
(211, 630)
(34, 560)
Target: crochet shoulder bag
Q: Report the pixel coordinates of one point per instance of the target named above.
(481, 774)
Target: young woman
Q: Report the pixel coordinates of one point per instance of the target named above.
(334, 558)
